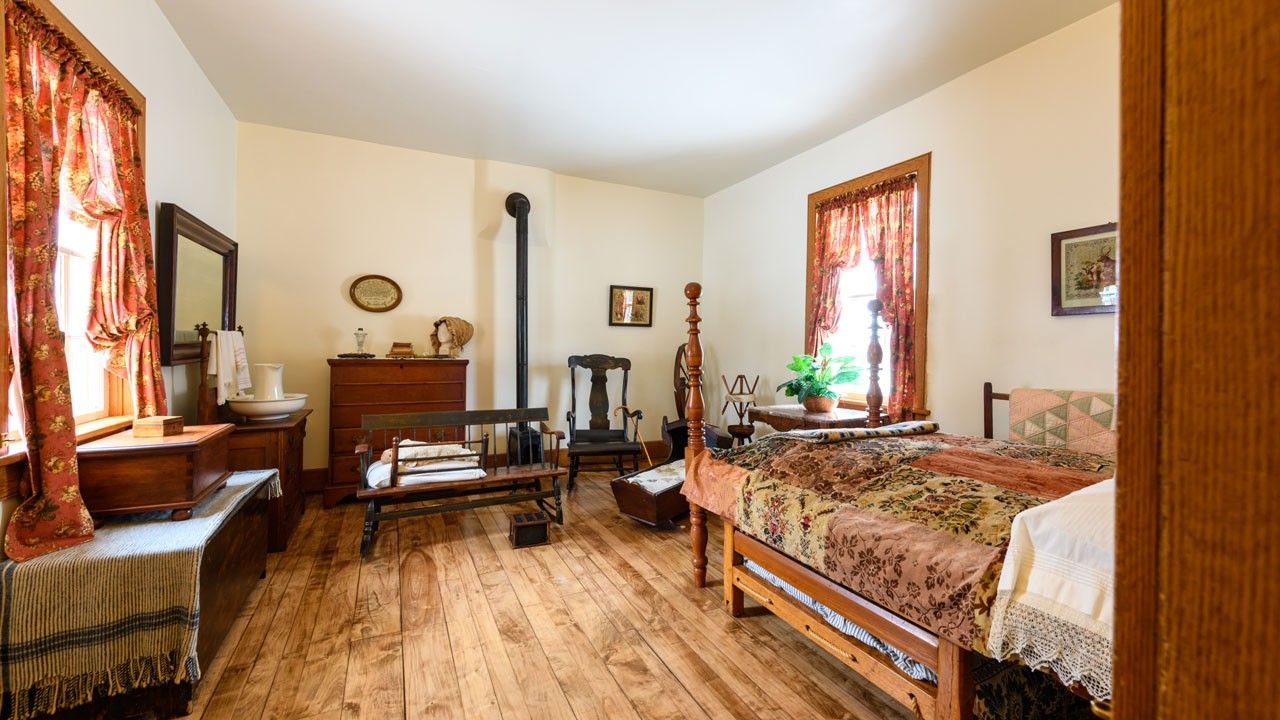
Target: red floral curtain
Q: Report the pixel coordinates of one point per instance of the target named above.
(106, 178)
(836, 246)
(888, 223)
(43, 95)
(879, 220)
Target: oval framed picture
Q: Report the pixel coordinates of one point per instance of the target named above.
(375, 293)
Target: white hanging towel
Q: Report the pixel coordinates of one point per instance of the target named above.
(229, 363)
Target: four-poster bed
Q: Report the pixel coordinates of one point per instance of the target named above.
(881, 532)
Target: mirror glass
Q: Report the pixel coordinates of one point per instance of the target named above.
(198, 290)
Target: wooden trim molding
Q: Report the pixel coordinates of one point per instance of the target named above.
(919, 166)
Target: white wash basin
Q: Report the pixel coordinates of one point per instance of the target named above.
(256, 410)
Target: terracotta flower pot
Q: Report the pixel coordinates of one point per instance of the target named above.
(819, 404)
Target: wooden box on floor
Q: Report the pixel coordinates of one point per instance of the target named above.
(275, 444)
(529, 529)
(122, 474)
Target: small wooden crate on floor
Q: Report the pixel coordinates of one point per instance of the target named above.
(529, 529)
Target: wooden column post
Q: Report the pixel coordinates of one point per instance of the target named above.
(875, 356)
(697, 442)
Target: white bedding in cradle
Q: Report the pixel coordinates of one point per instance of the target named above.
(1055, 602)
(379, 473)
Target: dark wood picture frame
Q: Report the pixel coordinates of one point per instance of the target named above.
(355, 298)
(1057, 308)
(620, 323)
(172, 223)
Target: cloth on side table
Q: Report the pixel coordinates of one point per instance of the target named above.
(229, 362)
(115, 614)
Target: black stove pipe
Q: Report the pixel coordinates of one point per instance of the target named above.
(524, 444)
(518, 208)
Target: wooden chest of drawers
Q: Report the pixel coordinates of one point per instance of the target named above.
(378, 387)
(275, 444)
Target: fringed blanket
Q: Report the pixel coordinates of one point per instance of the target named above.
(912, 519)
(111, 615)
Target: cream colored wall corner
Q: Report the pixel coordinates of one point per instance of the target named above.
(1023, 147)
(314, 212)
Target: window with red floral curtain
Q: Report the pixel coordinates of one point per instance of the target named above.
(72, 151)
(868, 238)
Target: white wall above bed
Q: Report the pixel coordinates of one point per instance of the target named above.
(1023, 147)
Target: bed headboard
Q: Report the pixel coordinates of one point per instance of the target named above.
(1074, 419)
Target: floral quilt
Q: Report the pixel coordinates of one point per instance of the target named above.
(914, 520)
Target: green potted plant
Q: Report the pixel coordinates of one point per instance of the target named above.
(815, 374)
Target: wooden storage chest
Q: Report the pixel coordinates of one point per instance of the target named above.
(125, 474)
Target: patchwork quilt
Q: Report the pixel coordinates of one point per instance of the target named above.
(908, 517)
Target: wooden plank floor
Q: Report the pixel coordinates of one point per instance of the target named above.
(444, 619)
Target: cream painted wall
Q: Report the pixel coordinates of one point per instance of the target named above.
(314, 212)
(1024, 146)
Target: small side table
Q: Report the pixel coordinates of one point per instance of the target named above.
(741, 433)
(794, 417)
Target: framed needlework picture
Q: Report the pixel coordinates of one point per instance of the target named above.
(630, 306)
(1085, 280)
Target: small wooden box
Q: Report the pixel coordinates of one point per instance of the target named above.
(125, 474)
(529, 529)
(158, 426)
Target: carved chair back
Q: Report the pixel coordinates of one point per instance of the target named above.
(598, 399)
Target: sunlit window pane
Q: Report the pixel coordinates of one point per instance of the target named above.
(853, 335)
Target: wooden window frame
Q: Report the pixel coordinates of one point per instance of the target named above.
(920, 167)
(119, 398)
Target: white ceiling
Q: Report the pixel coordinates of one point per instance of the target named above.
(688, 96)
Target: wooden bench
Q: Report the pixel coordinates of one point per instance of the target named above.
(519, 463)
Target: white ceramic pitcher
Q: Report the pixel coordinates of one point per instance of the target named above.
(268, 381)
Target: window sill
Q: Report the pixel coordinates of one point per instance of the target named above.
(16, 452)
(102, 427)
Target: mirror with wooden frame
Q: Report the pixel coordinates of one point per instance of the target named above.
(195, 280)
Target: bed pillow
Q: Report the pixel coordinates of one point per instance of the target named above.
(1072, 419)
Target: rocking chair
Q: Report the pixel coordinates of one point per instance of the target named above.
(598, 439)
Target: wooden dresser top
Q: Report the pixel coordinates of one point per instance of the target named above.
(343, 362)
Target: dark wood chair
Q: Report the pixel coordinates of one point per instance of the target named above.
(599, 439)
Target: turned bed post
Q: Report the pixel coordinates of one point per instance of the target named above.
(697, 441)
(875, 355)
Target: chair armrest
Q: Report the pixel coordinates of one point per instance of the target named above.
(557, 434)
(362, 449)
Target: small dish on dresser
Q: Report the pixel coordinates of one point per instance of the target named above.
(262, 410)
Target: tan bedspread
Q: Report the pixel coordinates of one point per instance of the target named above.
(918, 524)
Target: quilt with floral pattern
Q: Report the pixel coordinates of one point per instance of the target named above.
(912, 519)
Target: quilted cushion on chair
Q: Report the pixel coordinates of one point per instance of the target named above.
(1072, 419)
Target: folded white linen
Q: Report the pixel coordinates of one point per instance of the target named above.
(229, 362)
(1055, 602)
(379, 473)
(417, 450)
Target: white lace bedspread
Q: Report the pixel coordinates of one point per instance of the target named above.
(1055, 603)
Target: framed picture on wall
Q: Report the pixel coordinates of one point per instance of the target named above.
(1085, 281)
(630, 306)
